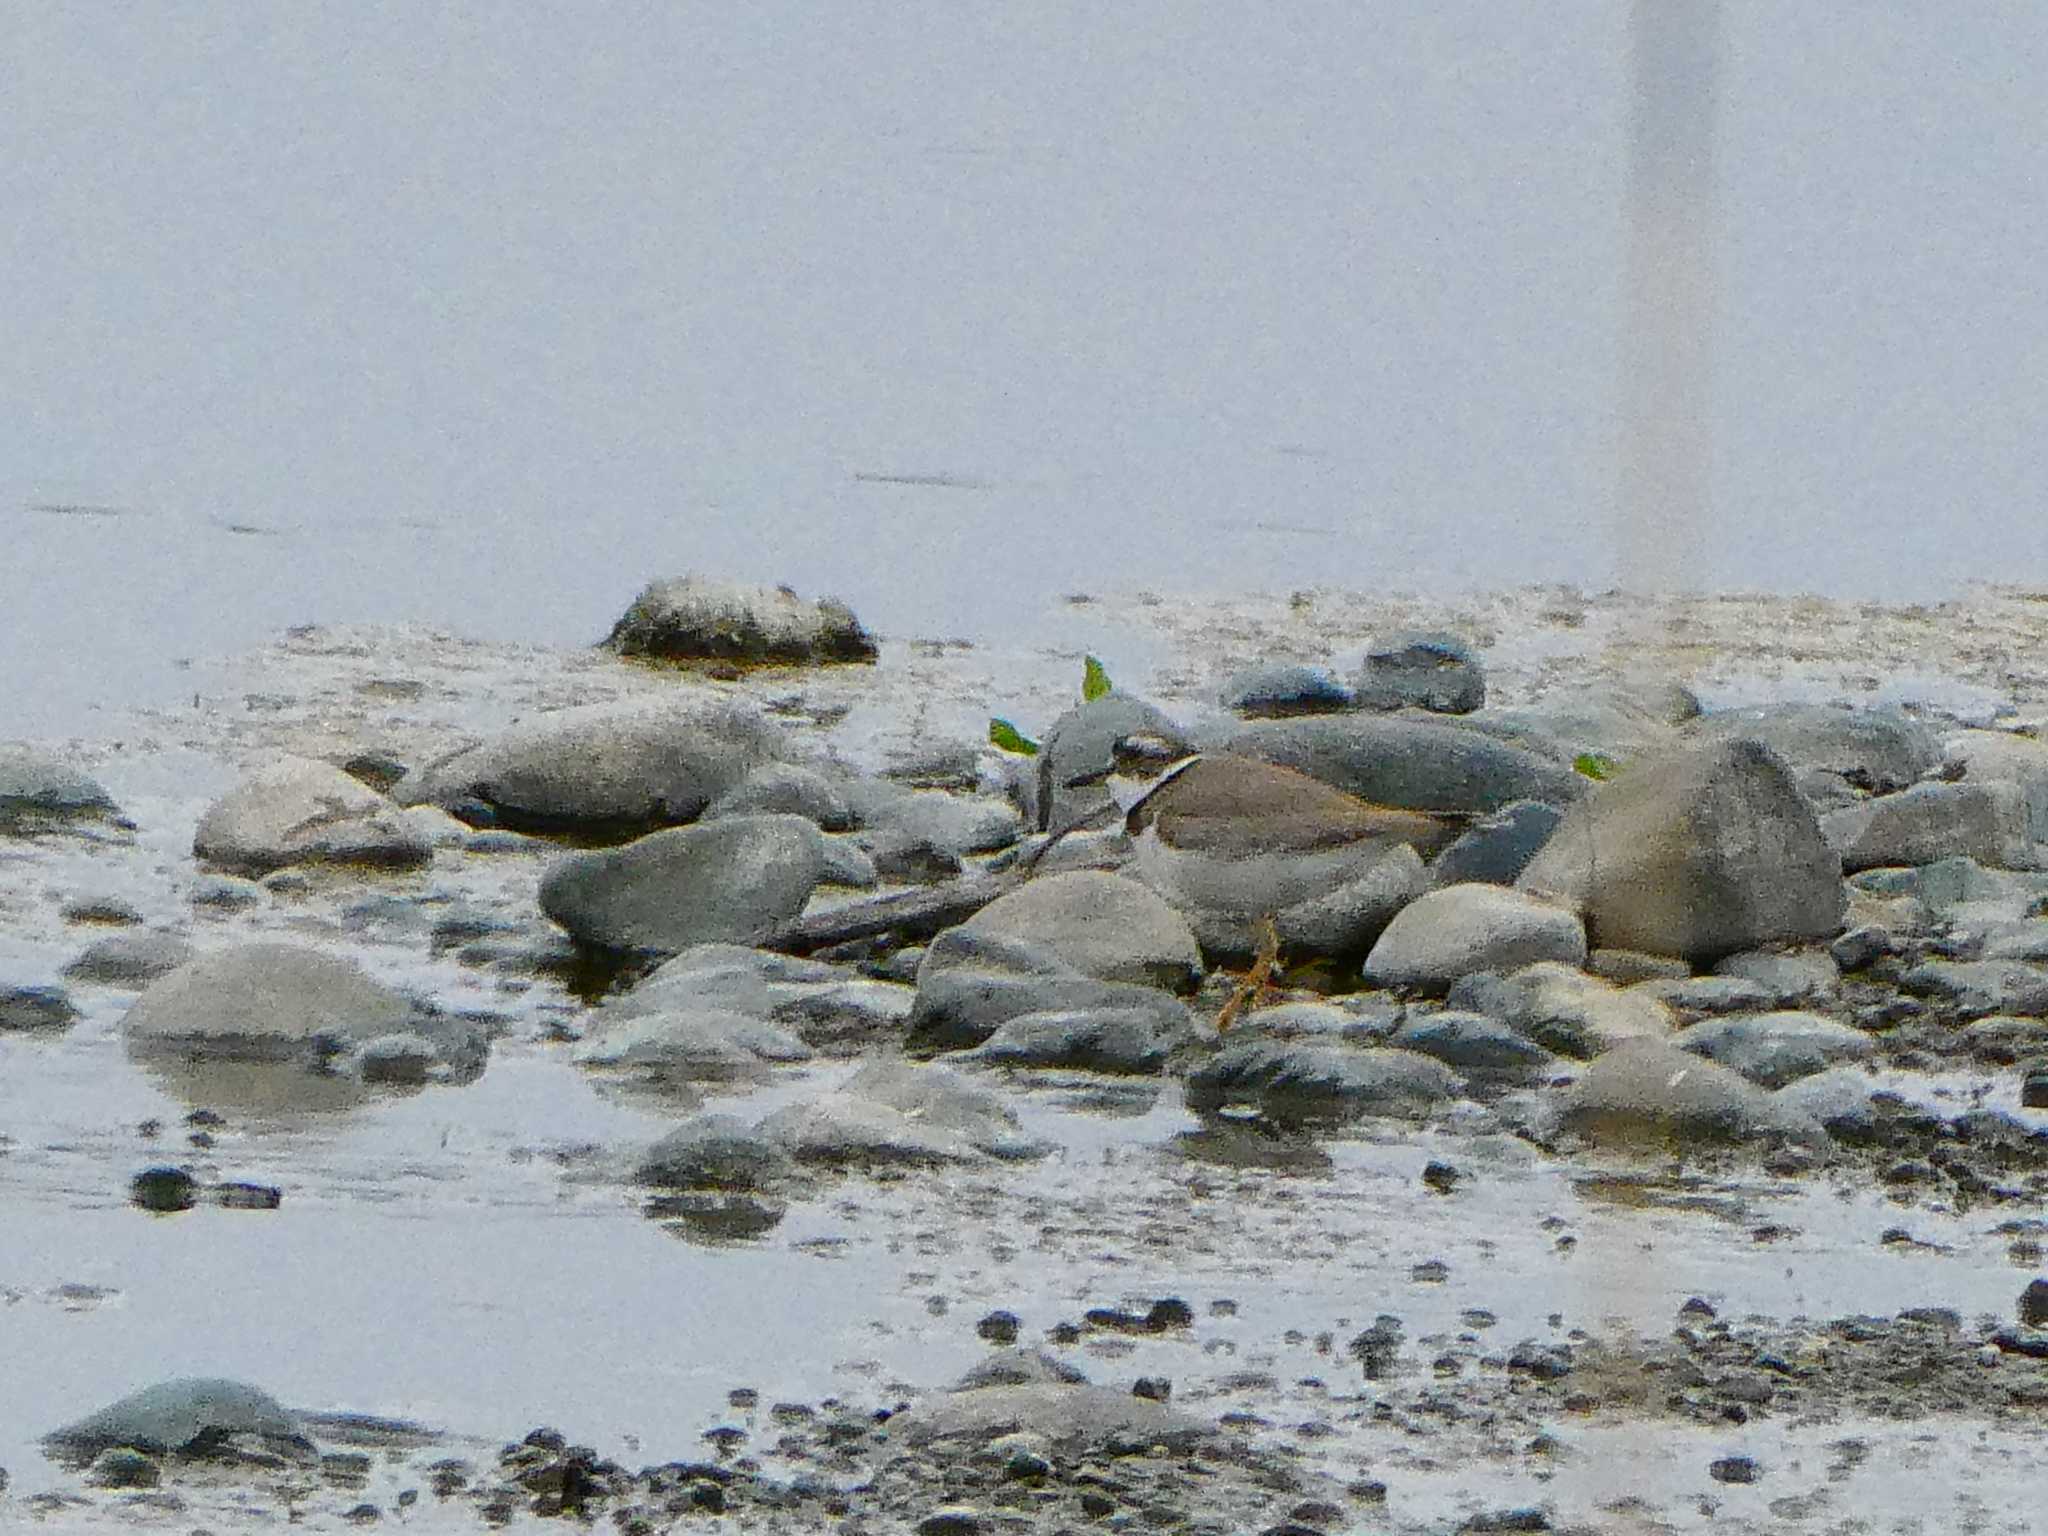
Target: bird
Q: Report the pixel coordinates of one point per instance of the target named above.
(1244, 839)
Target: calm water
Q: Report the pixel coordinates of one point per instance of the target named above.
(486, 318)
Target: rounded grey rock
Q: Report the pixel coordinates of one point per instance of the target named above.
(130, 958)
(1423, 669)
(1459, 929)
(727, 881)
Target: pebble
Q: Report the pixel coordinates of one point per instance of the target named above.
(164, 1190)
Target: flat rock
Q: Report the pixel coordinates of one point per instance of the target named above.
(1563, 1009)
(1075, 1419)
(2003, 757)
(691, 1045)
(1421, 669)
(1974, 988)
(970, 983)
(1651, 1095)
(1283, 690)
(1878, 750)
(1692, 998)
(300, 811)
(1103, 925)
(1698, 854)
(1789, 977)
(688, 618)
(728, 881)
(131, 957)
(1110, 1040)
(893, 1112)
(1777, 1048)
(1930, 822)
(37, 790)
(1291, 1082)
(180, 1415)
(1473, 1044)
(1456, 930)
(1410, 764)
(602, 770)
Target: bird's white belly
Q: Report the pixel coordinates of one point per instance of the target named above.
(1253, 887)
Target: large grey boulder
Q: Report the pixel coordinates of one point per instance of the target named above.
(1563, 1009)
(300, 811)
(1777, 1048)
(1410, 764)
(1653, 1096)
(694, 618)
(1931, 822)
(189, 1414)
(1103, 925)
(893, 1112)
(1294, 1082)
(1421, 669)
(602, 770)
(1878, 751)
(282, 1003)
(1080, 749)
(36, 790)
(1459, 929)
(1698, 853)
(726, 881)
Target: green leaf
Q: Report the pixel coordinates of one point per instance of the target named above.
(1005, 735)
(1595, 765)
(1094, 680)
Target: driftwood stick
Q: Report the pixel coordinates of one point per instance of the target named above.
(906, 917)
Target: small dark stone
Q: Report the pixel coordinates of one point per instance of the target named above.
(164, 1190)
(363, 1514)
(1698, 1309)
(1430, 1272)
(1735, 1469)
(952, 1522)
(1172, 1312)
(1441, 1177)
(248, 1197)
(206, 1119)
(1096, 1504)
(743, 1397)
(1157, 1388)
(998, 1328)
(123, 1466)
(35, 1008)
(2034, 1089)
(1508, 1520)
(2034, 1304)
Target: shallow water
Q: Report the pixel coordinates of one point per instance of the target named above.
(464, 1257)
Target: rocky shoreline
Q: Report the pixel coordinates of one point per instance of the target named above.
(1583, 924)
